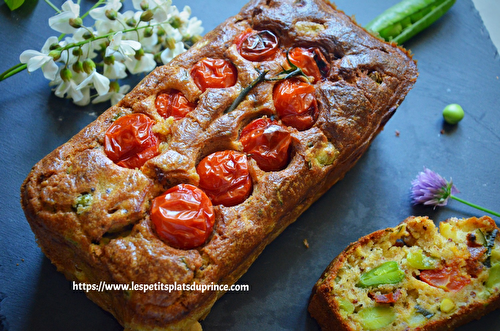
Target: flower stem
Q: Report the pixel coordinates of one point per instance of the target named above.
(53, 6)
(98, 3)
(14, 70)
(474, 206)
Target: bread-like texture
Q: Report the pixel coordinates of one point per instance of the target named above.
(109, 237)
(452, 244)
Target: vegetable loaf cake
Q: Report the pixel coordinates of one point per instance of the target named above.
(412, 277)
(210, 157)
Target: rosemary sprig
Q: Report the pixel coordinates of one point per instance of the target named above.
(244, 92)
(285, 74)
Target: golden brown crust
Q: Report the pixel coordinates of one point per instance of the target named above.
(324, 306)
(112, 240)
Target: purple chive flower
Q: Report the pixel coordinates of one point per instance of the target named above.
(429, 188)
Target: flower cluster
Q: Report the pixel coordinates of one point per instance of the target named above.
(95, 57)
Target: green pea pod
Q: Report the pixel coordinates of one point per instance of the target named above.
(407, 18)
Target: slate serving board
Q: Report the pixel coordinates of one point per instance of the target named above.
(458, 64)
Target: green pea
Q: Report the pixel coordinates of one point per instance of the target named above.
(374, 318)
(386, 273)
(453, 113)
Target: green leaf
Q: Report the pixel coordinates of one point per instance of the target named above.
(14, 4)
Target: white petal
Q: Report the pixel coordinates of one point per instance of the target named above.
(146, 64)
(116, 97)
(115, 71)
(50, 70)
(37, 62)
(71, 7)
(166, 56)
(124, 89)
(86, 81)
(49, 42)
(60, 22)
(62, 89)
(137, 4)
(81, 98)
(28, 54)
(132, 44)
(98, 13)
(102, 98)
(101, 83)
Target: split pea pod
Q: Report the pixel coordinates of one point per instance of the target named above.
(407, 18)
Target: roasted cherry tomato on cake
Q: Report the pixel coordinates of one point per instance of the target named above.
(257, 45)
(173, 103)
(214, 73)
(183, 216)
(130, 141)
(311, 60)
(296, 103)
(268, 143)
(448, 277)
(225, 178)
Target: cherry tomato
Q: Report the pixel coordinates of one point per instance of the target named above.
(130, 141)
(268, 142)
(257, 45)
(447, 277)
(225, 178)
(173, 103)
(295, 103)
(310, 60)
(214, 73)
(183, 216)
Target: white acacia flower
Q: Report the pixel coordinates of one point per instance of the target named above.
(168, 54)
(103, 23)
(114, 96)
(67, 88)
(126, 48)
(146, 64)
(194, 27)
(172, 32)
(86, 97)
(100, 82)
(115, 70)
(160, 8)
(99, 13)
(60, 22)
(36, 60)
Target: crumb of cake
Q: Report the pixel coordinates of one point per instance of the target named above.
(306, 243)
